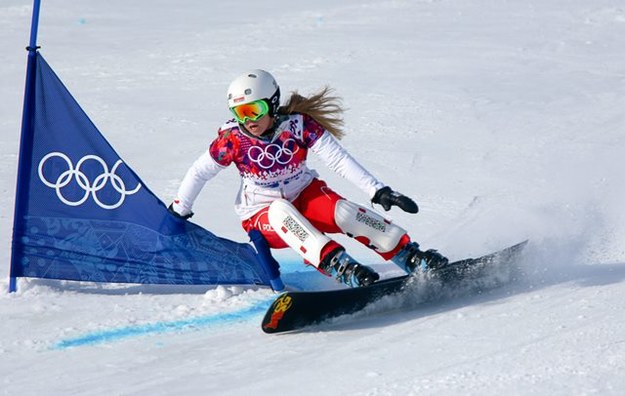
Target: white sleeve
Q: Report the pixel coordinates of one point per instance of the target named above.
(202, 170)
(340, 161)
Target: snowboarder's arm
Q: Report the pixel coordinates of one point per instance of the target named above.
(202, 170)
(340, 161)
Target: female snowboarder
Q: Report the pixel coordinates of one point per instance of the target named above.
(284, 199)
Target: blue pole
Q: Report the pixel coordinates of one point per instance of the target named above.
(270, 265)
(26, 142)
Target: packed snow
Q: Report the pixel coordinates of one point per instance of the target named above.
(504, 120)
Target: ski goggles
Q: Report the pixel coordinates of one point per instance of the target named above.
(250, 111)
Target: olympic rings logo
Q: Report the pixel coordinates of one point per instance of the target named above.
(83, 181)
(273, 154)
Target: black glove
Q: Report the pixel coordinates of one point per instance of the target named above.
(387, 198)
(171, 210)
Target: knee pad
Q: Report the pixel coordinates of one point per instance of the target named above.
(367, 226)
(296, 231)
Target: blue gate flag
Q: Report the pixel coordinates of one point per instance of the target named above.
(87, 216)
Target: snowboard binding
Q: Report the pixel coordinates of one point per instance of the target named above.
(346, 270)
(412, 259)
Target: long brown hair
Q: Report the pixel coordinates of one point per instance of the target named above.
(325, 108)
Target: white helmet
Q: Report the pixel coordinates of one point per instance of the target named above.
(254, 85)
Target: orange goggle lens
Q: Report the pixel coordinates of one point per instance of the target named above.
(250, 111)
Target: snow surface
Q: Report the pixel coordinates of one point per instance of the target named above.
(503, 119)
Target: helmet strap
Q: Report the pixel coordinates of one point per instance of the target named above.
(274, 103)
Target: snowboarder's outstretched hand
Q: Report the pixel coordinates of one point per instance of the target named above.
(387, 198)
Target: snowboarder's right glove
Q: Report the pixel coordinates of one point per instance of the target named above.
(179, 211)
(387, 198)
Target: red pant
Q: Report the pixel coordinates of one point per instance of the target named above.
(317, 203)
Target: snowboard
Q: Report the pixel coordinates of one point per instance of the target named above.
(296, 310)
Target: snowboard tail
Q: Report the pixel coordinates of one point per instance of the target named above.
(296, 310)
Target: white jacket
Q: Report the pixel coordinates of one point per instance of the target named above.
(271, 169)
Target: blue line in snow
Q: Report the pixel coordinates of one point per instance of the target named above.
(116, 334)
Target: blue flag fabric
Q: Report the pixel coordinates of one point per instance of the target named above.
(89, 217)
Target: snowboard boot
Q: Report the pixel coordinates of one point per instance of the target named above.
(347, 270)
(411, 259)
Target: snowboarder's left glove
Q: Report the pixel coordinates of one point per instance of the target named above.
(387, 198)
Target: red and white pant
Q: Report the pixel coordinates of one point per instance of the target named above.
(317, 203)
